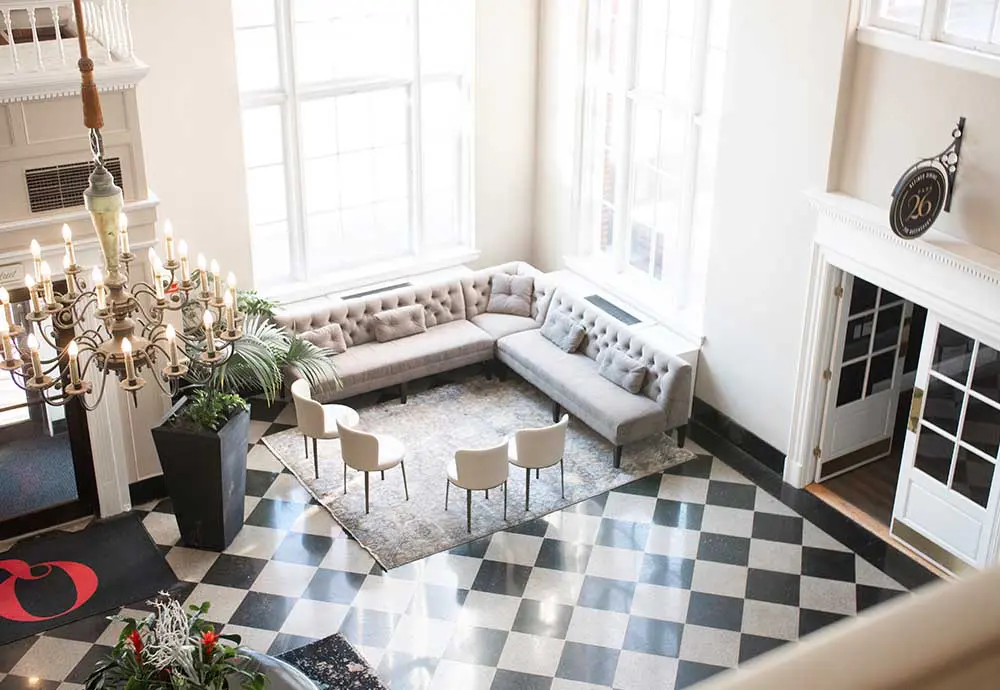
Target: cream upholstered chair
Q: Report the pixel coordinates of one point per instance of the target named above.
(371, 453)
(317, 421)
(534, 449)
(478, 470)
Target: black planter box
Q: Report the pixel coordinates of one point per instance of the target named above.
(206, 476)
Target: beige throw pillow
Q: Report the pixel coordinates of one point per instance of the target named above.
(620, 369)
(510, 294)
(393, 324)
(330, 337)
(565, 332)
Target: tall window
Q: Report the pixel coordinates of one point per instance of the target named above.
(972, 24)
(653, 97)
(357, 131)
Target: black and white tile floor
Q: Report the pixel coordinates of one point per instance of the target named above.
(657, 584)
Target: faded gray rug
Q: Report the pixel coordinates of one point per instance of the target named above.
(474, 413)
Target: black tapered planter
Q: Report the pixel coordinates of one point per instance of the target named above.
(206, 474)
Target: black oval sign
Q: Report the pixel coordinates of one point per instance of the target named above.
(918, 200)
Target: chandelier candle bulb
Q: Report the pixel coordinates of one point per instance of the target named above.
(73, 352)
(182, 249)
(216, 280)
(123, 234)
(129, 361)
(29, 283)
(36, 255)
(102, 299)
(158, 279)
(202, 276)
(172, 347)
(8, 351)
(36, 360)
(7, 311)
(168, 238)
(47, 290)
(70, 276)
(67, 236)
(209, 333)
(227, 303)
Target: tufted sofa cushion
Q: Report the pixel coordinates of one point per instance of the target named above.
(394, 324)
(510, 294)
(477, 288)
(330, 337)
(563, 331)
(621, 370)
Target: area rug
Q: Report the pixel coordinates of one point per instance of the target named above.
(474, 413)
(333, 664)
(60, 577)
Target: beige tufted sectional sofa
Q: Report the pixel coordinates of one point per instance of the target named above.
(461, 332)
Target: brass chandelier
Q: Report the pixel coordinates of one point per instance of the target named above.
(118, 323)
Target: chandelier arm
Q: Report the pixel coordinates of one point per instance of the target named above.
(18, 377)
(90, 407)
(158, 377)
(85, 366)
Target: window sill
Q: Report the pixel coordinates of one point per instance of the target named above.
(684, 322)
(934, 51)
(370, 275)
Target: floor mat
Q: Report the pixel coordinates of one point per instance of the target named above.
(60, 577)
(35, 473)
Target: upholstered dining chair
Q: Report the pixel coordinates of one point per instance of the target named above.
(478, 470)
(371, 453)
(318, 421)
(536, 449)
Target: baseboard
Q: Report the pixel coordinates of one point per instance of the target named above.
(745, 440)
(147, 490)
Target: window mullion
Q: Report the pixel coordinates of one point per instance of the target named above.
(285, 25)
(932, 21)
(416, 144)
(626, 174)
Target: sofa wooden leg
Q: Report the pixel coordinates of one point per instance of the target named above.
(402, 393)
(682, 434)
(501, 371)
(556, 412)
(618, 456)
(488, 369)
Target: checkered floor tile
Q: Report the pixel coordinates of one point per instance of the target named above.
(660, 583)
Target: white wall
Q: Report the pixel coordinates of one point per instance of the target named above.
(903, 109)
(782, 85)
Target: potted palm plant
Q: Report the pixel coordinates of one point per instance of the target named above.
(202, 441)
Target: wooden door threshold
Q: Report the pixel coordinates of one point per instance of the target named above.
(874, 526)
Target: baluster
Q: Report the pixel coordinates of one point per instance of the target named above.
(119, 19)
(9, 29)
(106, 27)
(128, 29)
(59, 40)
(34, 37)
(113, 26)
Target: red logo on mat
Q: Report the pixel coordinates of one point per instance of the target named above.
(84, 582)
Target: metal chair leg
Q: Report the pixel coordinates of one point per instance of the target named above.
(383, 475)
(366, 493)
(406, 490)
(562, 478)
(315, 459)
(505, 501)
(487, 494)
(305, 439)
(468, 510)
(527, 487)
(345, 478)
(447, 488)
(538, 473)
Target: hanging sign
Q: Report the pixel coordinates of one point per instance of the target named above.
(12, 275)
(925, 190)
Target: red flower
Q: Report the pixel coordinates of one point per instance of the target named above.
(136, 641)
(208, 640)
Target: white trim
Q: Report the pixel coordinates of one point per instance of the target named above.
(934, 51)
(42, 85)
(76, 214)
(371, 273)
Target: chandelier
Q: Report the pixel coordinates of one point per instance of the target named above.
(118, 324)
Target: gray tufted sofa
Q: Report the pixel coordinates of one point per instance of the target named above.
(461, 332)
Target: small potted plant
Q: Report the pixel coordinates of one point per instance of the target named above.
(172, 648)
(202, 441)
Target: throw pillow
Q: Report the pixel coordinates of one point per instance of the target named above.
(510, 294)
(561, 329)
(401, 322)
(620, 369)
(330, 337)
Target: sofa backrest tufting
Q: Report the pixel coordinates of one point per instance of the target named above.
(603, 332)
(477, 288)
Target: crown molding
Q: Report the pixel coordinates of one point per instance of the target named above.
(36, 86)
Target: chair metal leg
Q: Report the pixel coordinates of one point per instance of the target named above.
(345, 478)
(315, 459)
(406, 490)
(383, 475)
(538, 473)
(556, 410)
(505, 501)
(468, 510)
(366, 493)
(618, 456)
(447, 488)
(562, 478)
(305, 439)
(487, 494)
(527, 487)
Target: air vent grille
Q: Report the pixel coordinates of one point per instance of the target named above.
(61, 186)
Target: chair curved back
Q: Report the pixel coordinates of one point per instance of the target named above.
(542, 447)
(359, 448)
(483, 468)
(308, 412)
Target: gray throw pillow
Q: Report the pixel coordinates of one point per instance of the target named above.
(401, 322)
(510, 294)
(562, 330)
(625, 371)
(330, 337)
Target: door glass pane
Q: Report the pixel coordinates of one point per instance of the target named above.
(887, 328)
(934, 454)
(952, 354)
(852, 383)
(863, 296)
(943, 407)
(986, 378)
(857, 338)
(973, 476)
(982, 426)
(880, 373)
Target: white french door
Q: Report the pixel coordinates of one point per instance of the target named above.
(946, 491)
(865, 374)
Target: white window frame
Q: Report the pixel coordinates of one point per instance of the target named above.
(673, 294)
(289, 95)
(929, 39)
